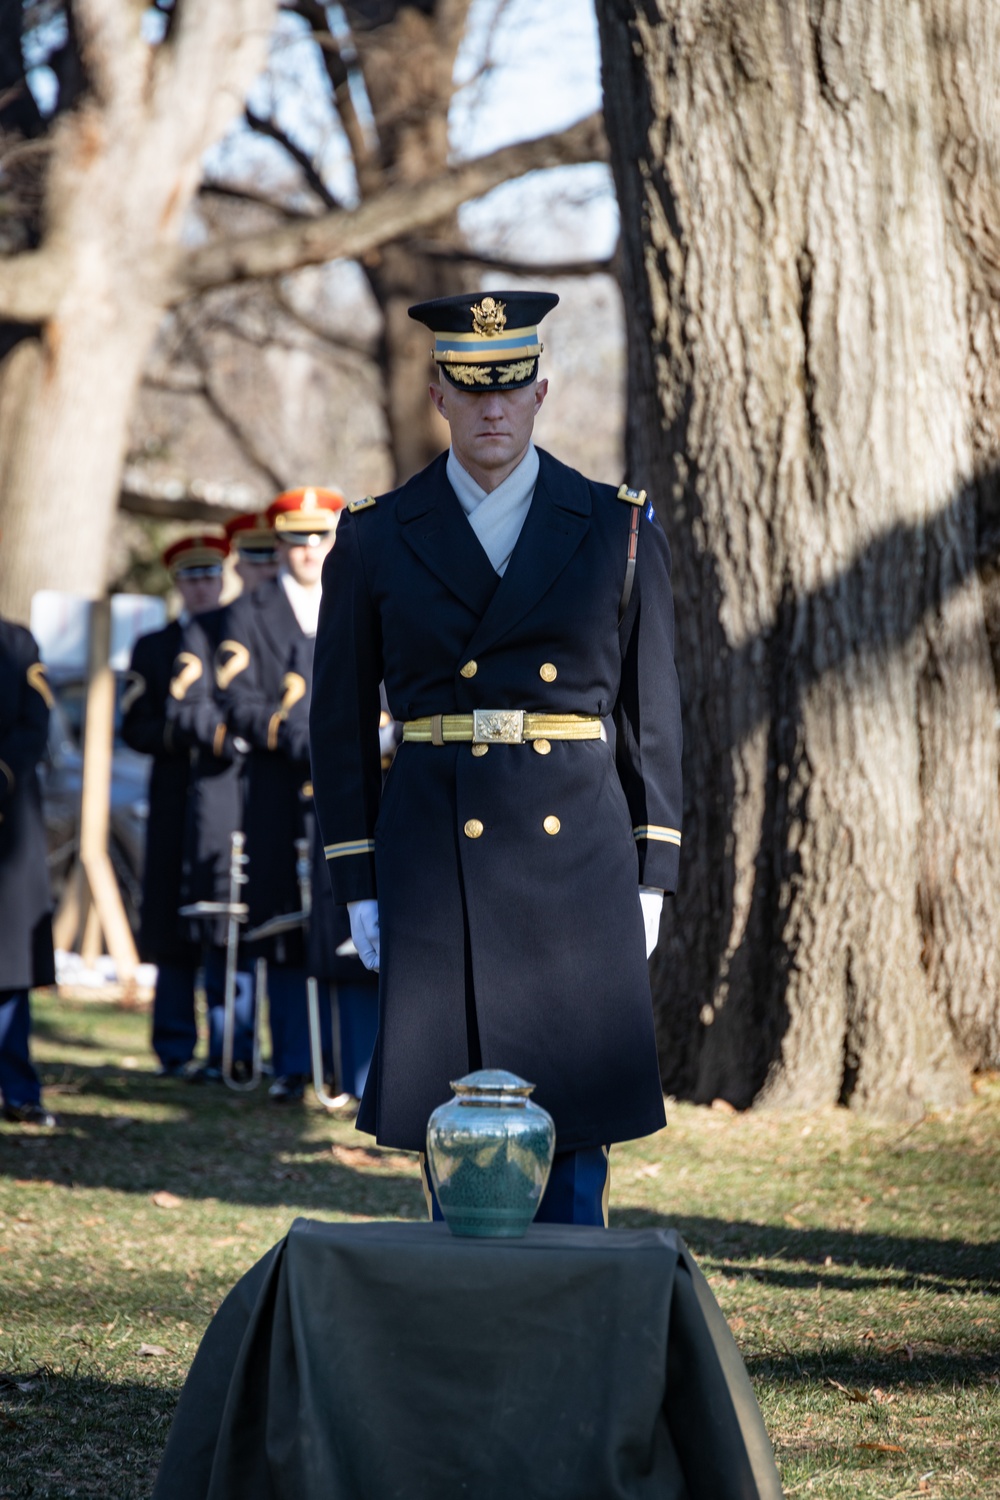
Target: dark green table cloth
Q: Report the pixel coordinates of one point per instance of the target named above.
(376, 1361)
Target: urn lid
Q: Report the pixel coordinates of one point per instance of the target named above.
(495, 1083)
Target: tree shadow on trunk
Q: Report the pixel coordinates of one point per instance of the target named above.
(756, 716)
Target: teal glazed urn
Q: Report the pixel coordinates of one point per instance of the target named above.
(490, 1153)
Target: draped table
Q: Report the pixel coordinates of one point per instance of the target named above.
(381, 1360)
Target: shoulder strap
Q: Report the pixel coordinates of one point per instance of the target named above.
(635, 498)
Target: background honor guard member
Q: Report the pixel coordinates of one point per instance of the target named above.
(509, 604)
(256, 547)
(26, 957)
(169, 713)
(264, 675)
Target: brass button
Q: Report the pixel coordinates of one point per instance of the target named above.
(547, 672)
(542, 747)
(473, 828)
(470, 669)
(480, 749)
(551, 824)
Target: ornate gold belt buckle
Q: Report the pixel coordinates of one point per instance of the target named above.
(498, 726)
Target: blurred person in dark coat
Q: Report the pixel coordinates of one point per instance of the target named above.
(508, 882)
(170, 713)
(264, 675)
(26, 957)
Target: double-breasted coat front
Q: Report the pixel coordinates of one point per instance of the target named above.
(25, 904)
(170, 714)
(507, 882)
(264, 675)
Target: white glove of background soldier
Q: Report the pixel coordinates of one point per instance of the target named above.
(651, 901)
(364, 930)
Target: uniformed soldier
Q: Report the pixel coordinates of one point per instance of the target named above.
(170, 713)
(264, 674)
(510, 605)
(26, 957)
(256, 547)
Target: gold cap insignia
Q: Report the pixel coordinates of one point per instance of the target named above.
(488, 318)
(309, 502)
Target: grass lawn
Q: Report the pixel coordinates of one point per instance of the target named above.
(858, 1264)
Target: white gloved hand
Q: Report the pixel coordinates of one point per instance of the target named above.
(651, 901)
(364, 930)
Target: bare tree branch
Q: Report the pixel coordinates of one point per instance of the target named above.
(366, 163)
(302, 158)
(452, 256)
(336, 341)
(111, 43)
(174, 500)
(392, 214)
(259, 200)
(30, 285)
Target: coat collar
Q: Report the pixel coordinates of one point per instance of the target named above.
(437, 529)
(556, 523)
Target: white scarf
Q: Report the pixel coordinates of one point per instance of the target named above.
(498, 515)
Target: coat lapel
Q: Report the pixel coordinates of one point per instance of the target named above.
(437, 529)
(277, 621)
(556, 523)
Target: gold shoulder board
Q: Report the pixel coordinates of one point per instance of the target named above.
(633, 497)
(365, 504)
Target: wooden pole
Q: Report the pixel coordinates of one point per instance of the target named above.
(95, 804)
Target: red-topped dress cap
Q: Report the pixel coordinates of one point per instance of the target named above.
(251, 532)
(305, 511)
(203, 550)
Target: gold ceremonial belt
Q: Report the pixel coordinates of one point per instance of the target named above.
(501, 726)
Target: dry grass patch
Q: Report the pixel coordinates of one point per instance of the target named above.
(858, 1264)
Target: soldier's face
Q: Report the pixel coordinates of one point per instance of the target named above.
(490, 430)
(254, 573)
(305, 563)
(200, 594)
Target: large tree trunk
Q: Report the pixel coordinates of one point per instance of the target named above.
(124, 166)
(806, 362)
(408, 64)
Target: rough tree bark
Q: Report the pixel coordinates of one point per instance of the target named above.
(123, 167)
(809, 212)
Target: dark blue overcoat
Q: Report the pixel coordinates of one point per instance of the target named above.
(170, 714)
(264, 675)
(25, 903)
(519, 948)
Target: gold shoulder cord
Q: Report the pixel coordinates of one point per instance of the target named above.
(188, 669)
(293, 691)
(135, 686)
(231, 658)
(37, 680)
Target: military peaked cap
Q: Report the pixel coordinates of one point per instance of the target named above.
(309, 512)
(203, 550)
(252, 535)
(487, 341)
